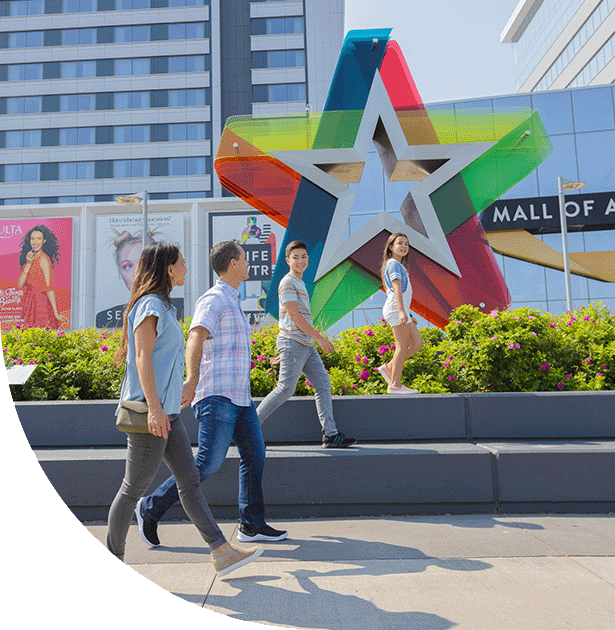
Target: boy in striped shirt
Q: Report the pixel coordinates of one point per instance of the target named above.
(295, 344)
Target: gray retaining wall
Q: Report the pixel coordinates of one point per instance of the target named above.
(429, 454)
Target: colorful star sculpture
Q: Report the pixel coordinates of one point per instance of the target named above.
(296, 170)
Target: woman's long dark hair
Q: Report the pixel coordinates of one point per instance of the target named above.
(388, 253)
(51, 246)
(151, 276)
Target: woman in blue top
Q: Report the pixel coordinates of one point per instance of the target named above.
(153, 348)
(397, 285)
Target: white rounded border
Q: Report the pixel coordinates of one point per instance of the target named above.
(56, 570)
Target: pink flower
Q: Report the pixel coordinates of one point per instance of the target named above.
(450, 358)
(568, 375)
(516, 318)
(364, 359)
(518, 346)
(392, 346)
(19, 362)
(252, 364)
(475, 323)
(530, 317)
(451, 377)
(260, 357)
(560, 385)
(357, 358)
(588, 361)
(50, 356)
(533, 334)
(552, 325)
(253, 341)
(446, 364)
(599, 374)
(494, 313)
(511, 346)
(494, 338)
(104, 348)
(33, 362)
(586, 318)
(603, 366)
(308, 383)
(364, 375)
(382, 319)
(369, 332)
(357, 339)
(5, 349)
(354, 386)
(383, 350)
(545, 367)
(458, 321)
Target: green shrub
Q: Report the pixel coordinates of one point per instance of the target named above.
(509, 351)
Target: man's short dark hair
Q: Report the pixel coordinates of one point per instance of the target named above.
(221, 255)
(293, 245)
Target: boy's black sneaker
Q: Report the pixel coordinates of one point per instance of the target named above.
(339, 440)
(264, 534)
(148, 527)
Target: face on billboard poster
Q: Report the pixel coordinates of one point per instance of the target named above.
(35, 272)
(259, 237)
(119, 243)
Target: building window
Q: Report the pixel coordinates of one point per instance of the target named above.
(77, 69)
(27, 7)
(193, 97)
(32, 39)
(24, 105)
(277, 26)
(37, 7)
(278, 59)
(180, 132)
(77, 102)
(131, 100)
(278, 93)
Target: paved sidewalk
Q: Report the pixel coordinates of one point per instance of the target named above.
(475, 572)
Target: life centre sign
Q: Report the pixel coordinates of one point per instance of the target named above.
(594, 211)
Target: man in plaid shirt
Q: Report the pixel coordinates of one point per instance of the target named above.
(218, 355)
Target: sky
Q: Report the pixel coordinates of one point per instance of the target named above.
(452, 47)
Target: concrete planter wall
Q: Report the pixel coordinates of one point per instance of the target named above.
(429, 454)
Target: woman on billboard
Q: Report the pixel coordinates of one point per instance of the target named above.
(40, 250)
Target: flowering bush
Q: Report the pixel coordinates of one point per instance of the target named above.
(509, 351)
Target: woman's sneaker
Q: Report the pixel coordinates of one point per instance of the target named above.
(228, 558)
(262, 534)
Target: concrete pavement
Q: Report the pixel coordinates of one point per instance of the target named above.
(474, 572)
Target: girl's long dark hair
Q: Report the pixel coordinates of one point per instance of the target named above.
(388, 253)
(51, 246)
(151, 276)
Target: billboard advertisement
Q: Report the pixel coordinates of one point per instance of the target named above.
(36, 272)
(119, 242)
(259, 237)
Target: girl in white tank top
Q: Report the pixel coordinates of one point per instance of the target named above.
(408, 340)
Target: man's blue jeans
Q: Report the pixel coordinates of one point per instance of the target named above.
(219, 422)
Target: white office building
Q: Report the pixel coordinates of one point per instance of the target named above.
(561, 44)
(100, 98)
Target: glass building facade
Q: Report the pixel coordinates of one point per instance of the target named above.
(132, 95)
(562, 43)
(581, 126)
